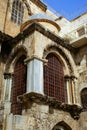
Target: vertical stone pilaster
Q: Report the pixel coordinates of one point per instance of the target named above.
(74, 91)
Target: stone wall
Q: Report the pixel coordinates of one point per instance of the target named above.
(41, 117)
(83, 121)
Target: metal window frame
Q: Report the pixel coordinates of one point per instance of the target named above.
(54, 83)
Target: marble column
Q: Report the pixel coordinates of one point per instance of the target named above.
(67, 79)
(7, 87)
(34, 75)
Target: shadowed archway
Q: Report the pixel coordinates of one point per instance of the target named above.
(61, 126)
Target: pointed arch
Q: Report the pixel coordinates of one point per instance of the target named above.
(15, 53)
(15, 64)
(68, 60)
(61, 126)
(54, 78)
(69, 71)
(28, 7)
(84, 98)
(18, 84)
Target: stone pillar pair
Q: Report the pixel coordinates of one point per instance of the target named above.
(71, 86)
(35, 80)
(74, 86)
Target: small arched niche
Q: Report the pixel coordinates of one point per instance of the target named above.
(61, 126)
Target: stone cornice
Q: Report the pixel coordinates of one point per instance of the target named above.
(8, 75)
(35, 27)
(38, 27)
(29, 98)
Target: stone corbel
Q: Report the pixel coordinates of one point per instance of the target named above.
(28, 99)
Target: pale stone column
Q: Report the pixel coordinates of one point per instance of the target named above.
(7, 87)
(34, 75)
(68, 89)
(75, 92)
(74, 85)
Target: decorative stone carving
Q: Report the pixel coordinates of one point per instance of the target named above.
(28, 99)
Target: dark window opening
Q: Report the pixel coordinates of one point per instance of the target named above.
(17, 12)
(84, 98)
(18, 85)
(54, 85)
(61, 126)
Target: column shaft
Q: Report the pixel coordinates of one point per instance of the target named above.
(35, 76)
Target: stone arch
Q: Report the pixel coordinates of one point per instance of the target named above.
(82, 86)
(18, 84)
(63, 55)
(83, 95)
(54, 78)
(13, 56)
(28, 7)
(61, 126)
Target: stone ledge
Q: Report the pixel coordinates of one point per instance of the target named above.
(38, 27)
(28, 99)
(10, 41)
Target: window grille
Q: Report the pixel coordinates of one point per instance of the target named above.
(18, 85)
(54, 78)
(17, 12)
(84, 98)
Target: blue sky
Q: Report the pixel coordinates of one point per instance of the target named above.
(68, 8)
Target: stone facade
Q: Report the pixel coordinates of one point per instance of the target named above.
(42, 33)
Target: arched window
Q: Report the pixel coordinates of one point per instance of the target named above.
(18, 85)
(61, 126)
(84, 98)
(54, 78)
(17, 12)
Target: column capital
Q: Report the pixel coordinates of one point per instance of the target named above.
(67, 77)
(34, 57)
(73, 77)
(8, 75)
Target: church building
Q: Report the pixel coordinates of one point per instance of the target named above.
(43, 68)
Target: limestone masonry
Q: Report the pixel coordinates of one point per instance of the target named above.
(43, 68)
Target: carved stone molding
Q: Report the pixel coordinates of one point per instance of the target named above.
(28, 99)
(28, 7)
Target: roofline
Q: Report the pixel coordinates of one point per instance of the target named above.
(78, 17)
(40, 4)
